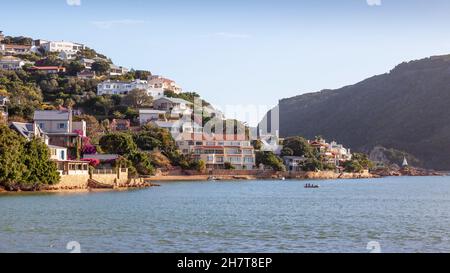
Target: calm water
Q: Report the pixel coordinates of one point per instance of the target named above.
(402, 214)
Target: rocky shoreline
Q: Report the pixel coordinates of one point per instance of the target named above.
(407, 172)
(150, 182)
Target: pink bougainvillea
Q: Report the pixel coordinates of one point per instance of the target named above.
(92, 161)
(89, 149)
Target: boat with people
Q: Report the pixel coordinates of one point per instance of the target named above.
(311, 186)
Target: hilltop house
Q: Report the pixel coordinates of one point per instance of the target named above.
(173, 105)
(49, 69)
(11, 63)
(159, 82)
(11, 49)
(86, 75)
(89, 62)
(115, 70)
(66, 50)
(123, 88)
(218, 149)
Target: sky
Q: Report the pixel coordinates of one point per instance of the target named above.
(244, 52)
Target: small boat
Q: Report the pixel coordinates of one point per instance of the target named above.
(283, 178)
(212, 178)
(311, 186)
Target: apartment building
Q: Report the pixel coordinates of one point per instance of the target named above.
(217, 149)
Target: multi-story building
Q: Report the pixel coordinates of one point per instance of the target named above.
(67, 50)
(165, 84)
(11, 63)
(60, 128)
(123, 88)
(216, 150)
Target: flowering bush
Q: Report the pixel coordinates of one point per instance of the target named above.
(92, 161)
(89, 149)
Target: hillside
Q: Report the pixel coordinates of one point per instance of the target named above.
(406, 109)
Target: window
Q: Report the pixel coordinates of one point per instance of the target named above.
(63, 155)
(61, 126)
(42, 126)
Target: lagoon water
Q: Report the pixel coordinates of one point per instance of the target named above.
(409, 214)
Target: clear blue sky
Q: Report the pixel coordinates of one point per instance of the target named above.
(244, 51)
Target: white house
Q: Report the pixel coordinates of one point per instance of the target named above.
(11, 63)
(68, 50)
(123, 88)
(173, 105)
(58, 153)
(115, 70)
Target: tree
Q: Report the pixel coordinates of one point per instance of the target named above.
(137, 98)
(118, 143)
(299, 146)
(270, 159)
(257, 144)
(24, 165)
(359, 163)
(142, 74)
(228, 166)
(106, 103)
(100, 67)
(312, 165)
(142, 163)
(12, 166)
(40, 169)
(74, 68)
(286, 151)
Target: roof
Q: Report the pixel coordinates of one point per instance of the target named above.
(51, 115)
(103, 157)
(175, 100)
(151, 111)
(25, 129)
